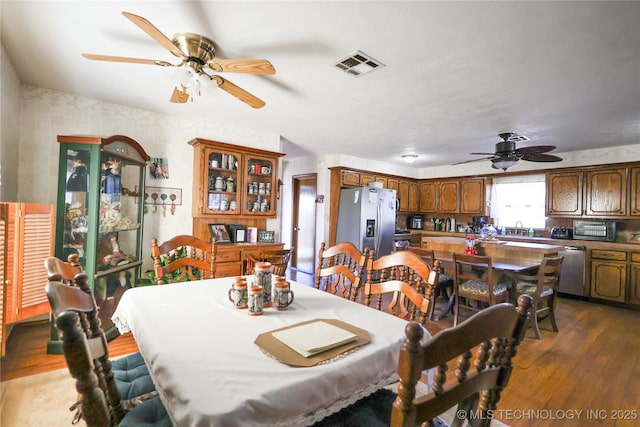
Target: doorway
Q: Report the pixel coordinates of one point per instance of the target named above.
(303, 222)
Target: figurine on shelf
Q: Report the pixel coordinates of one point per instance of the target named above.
(78, 179)
(111, 174)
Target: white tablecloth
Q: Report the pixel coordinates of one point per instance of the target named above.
(202, 357)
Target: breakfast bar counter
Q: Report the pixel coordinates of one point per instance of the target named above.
(499, 250)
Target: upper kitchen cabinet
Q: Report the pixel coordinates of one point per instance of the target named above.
(448, 197)
(414, 196)
(606, 193)
(564, 194)
(595, 193)
(428, 194)
(473, 196)
(634, 191)
(232, 180)
(466, 196)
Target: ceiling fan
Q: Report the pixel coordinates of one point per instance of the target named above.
(507, 154)
(198, 61)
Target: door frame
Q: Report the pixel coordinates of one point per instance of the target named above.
(295, 214)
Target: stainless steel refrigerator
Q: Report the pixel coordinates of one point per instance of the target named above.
(367, 218)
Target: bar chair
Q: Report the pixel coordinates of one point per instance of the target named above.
(340, 269)
(543, 288)
(475, 281)
(183, 258)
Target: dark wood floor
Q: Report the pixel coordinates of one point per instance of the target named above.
(592, 365)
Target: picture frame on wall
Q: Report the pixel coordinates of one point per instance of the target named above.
(219, 232)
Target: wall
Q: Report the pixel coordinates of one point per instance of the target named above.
(46, 114)
(9, 129)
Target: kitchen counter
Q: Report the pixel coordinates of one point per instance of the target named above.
(500, 251)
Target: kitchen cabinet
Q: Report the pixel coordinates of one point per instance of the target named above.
(606, 192)
(448, 197)
(428, 194)
(634, 191)
(26, 240)
(232, 180)
(100, 213)
(414, 196)
(403, 195)
(600, 193)
(350, 178)
(608, 275)
(472, 196)
(634, 279)
(564, 194)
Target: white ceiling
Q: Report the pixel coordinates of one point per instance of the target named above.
(457, 73)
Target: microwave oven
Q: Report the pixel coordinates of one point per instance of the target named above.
(594, 230)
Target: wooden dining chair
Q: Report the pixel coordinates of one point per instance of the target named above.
(278, 258)
(183, 258)
(405, 281)
(101, 403)
(542, 287)
(339, 269)
(475, 388)
(475, 282)
(445, 281)
(63, 271)
(130, 372)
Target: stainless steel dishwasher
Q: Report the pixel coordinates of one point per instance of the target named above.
(573, 271)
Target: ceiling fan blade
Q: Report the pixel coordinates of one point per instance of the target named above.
(251, 66)
(537, 157)
(484, 154)
(128, 60)
(179, 96)
(155, 34)
(238, 92)
(535, 149)
(474, 160)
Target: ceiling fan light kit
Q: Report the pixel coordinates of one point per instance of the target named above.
(197, 54)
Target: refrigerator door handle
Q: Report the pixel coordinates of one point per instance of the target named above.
(378, 231)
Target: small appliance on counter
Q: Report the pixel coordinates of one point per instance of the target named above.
(562, 233)
(479, 222)
(414, 222)
(594, 230)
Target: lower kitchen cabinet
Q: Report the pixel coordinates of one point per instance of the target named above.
(608, 275)
(634, 279)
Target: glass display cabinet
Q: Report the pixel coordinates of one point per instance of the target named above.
(100, 213)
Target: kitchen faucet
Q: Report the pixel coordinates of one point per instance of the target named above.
(519, 228)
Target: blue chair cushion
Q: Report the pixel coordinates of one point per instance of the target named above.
(132, 376)
(150, 413)
(371, 411)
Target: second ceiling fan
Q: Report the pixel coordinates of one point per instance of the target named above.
(198, 63)
(507, 155)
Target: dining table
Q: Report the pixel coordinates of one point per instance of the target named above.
(208, 370)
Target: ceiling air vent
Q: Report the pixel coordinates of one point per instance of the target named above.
(358, 64)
